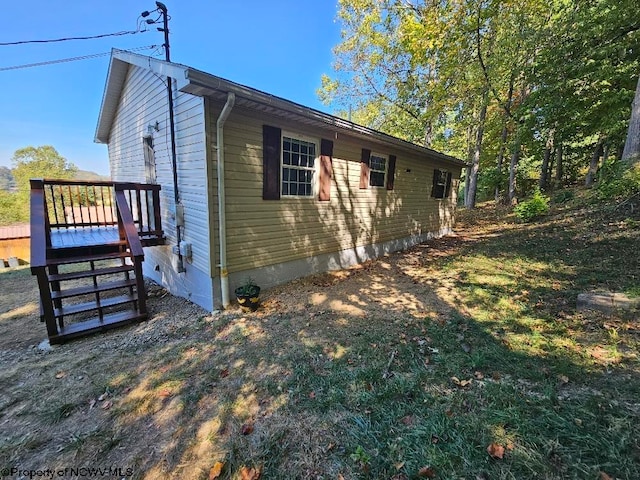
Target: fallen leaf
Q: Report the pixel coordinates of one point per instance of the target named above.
(92, 403)
(435, 439)
(60, 375)
(399, 465)
(577, 421)
(224, 373)
(604, 476)
(563, 379)
(106, 405)
(340, 477)
(461, 383)
(466, 347)
(164, 393)
(247, 473)
(408, 420)
(103, 396)
(312, 395)
(478, 375)
(496, 451)
(247, 429)
(427, 472)
(330, 447)
(216, 470)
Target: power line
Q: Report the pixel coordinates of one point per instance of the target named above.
(73, 59)
(115, 34)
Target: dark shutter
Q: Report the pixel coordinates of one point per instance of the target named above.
(326, 169)
(391, 172)
(448, 186)
(271, 144)
(364, 168)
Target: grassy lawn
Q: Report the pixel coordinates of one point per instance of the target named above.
(463, 357)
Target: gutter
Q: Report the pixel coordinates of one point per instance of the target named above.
(222, 217)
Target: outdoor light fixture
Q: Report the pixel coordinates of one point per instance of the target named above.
(153, 127)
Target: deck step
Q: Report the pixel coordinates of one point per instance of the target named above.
(87, 258)
(88, 306)
(112, 320)
(72, 292)
(58, 277)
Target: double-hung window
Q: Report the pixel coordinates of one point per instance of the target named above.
(377, 170)
(298, 166)
(441, 184)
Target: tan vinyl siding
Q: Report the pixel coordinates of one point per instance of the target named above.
(266, 232)
(144, 102)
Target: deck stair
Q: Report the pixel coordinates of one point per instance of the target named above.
(87, 256)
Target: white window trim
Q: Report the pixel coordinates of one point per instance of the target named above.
(386, 169)
(314, 176)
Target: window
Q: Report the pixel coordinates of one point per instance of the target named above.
(377, 170)
(441, 184)
(298, 166)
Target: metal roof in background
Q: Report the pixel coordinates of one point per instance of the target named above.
(22, 230)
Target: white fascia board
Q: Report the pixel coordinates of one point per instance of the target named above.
(199, 83)
(118, 68)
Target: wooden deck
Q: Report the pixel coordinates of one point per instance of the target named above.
(87, 242)
(84, 236)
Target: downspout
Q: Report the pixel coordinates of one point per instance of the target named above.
(222, 228)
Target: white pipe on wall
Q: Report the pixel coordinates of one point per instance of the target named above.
(222, 228)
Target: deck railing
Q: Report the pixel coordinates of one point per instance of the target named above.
(73, 204)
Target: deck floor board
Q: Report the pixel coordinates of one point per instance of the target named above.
(84, 236)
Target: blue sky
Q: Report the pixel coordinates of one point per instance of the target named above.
(278, 46)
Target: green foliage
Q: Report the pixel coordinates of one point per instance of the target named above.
(488, 180)
(618, 181)
(9, 211)
(7, 183)
(563, 196)
(533, 208)
(420, 70)
(360, 456)
(28, 163)
(248, 288)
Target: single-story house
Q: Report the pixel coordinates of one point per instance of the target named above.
(256, 186)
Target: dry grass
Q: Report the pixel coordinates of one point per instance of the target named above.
(420, 359)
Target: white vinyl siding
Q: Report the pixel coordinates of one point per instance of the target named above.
(143, 102)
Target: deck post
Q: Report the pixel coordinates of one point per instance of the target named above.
(45, 301)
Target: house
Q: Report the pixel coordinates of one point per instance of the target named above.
(253, 185)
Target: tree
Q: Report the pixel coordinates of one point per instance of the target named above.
(631, 152)
(31, 162)
(7, 183)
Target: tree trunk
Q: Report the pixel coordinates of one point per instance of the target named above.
(631, 152)
(544, 170)
(466, 184)
(559, 166)
(503, 136)
(500, 158)
(593, 165)
(513, 167)
(428, 135)
(475, 163)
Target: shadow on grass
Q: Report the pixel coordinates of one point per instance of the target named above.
(374, 372)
